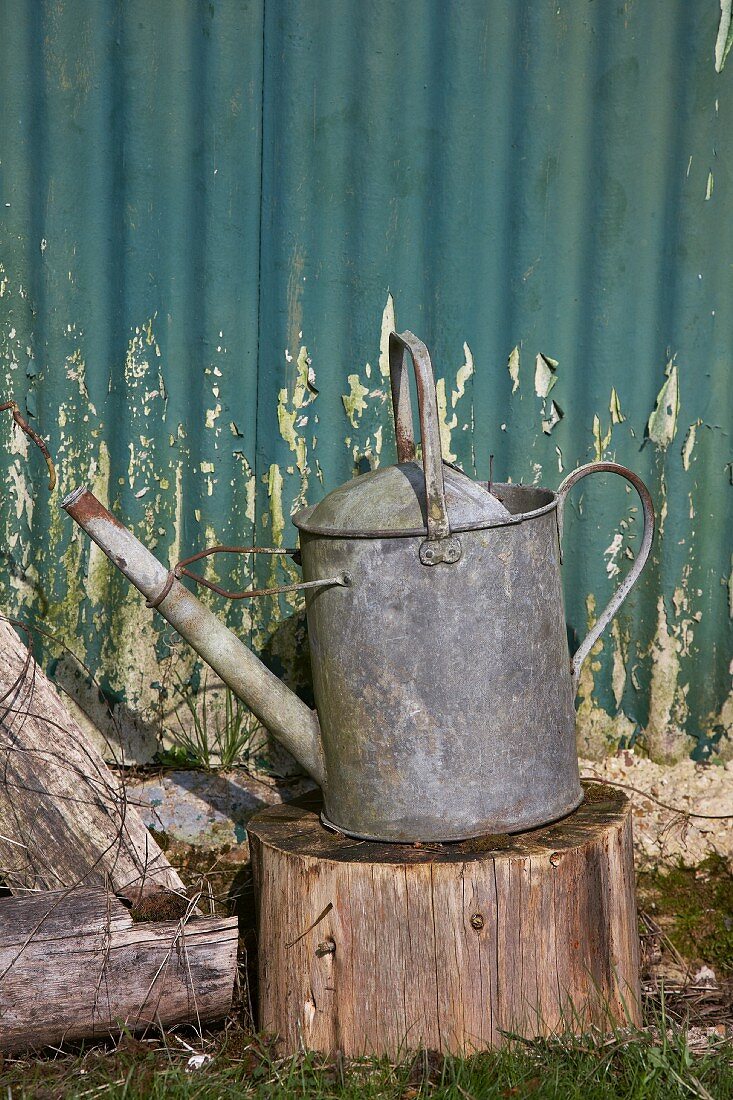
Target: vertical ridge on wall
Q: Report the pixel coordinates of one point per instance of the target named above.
(518, 175)
(130, 146)
(237, 202)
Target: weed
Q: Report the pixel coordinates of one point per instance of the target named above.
(214, 737)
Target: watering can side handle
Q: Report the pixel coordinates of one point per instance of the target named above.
(440, 545)
(639, 562)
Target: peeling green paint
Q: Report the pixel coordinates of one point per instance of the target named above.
(620, 651)
(665, 738)
(611, 553)
(513, 367)
(368, 404)
(354, 402)
(662, 424)
(724, 41)
(723, 721)
(446, 425)
(614, 407)
(689, 445)
(545, 380)
(275, 496)
(389, 324)
(464, 373)
(598, 732)
(601, 441)
(147, 340)
(290, 406)
(553, 417)
(545, 375)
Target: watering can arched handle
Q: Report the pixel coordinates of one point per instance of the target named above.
(639, 561)
(444, 547)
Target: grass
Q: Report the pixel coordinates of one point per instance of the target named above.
(656, 1064)
(214, 738)
(694, 907)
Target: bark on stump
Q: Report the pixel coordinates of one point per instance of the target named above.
(371, 948)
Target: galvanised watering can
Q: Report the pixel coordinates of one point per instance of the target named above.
(444, 688)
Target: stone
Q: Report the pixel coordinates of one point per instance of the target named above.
(208, 809)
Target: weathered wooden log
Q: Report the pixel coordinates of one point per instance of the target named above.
(74, 965)
(372, 948)
(64, 818)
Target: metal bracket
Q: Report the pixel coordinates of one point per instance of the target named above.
(447, 550)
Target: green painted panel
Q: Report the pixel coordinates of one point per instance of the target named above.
(212, 213)
(130, 182)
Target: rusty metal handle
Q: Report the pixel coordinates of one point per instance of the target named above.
(639, 562)
(182, 570)
(441, 546)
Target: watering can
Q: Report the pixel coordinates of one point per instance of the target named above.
(443, 684)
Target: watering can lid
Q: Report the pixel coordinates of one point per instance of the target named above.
(391, 502)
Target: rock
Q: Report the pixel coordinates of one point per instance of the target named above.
(705, 976)
(207, 809)
(211, 809)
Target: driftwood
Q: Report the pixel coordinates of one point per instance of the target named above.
(374, 948)
(64, 819)
(74, 965)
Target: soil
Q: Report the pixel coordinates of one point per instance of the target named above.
(667, 837)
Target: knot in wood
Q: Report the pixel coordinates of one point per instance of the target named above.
(477, 921)
(326, 947)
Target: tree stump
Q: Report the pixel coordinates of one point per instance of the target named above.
(371, 948)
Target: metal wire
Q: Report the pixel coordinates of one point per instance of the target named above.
(181, 570)
(36, 439)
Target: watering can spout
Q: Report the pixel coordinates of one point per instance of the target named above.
(278, 708)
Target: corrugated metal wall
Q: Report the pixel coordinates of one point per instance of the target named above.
(205, 205)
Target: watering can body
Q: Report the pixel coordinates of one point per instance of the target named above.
(443, 684)
(444, 695)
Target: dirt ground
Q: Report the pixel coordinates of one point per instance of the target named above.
(671, 807)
